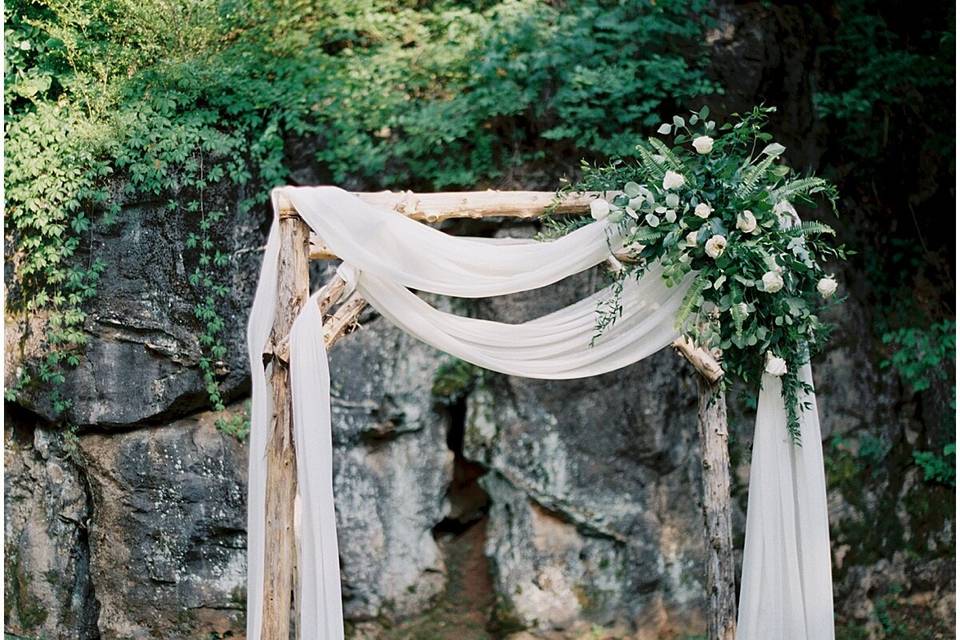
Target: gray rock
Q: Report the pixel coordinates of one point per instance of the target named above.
(594, 489)
(47, 581)
(142, 359)
(392, 470)
(167, 535)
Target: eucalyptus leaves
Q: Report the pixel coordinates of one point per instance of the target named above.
(713, 205)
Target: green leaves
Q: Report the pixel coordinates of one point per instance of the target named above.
(631, 189)
(773, 150)
(813, 227)
(727, 306)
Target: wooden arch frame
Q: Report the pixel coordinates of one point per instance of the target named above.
(298, 246)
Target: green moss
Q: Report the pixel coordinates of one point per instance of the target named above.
(27, 607)
(506, 619)
(590, 598)
(238, 597)
(871, 533)
(897, 620)
(453, 380)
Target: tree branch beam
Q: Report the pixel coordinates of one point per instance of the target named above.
(437, 207)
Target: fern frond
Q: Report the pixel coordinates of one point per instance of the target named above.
(691, 300)
(751, 177)
(654, 169)
(800, 186)
(558, 226)
(672, 161)
(812, 228)
(645, 235)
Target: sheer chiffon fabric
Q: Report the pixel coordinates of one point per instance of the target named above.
(786, 587)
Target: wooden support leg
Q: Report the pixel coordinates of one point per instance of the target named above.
(279, 552)
(712, 423)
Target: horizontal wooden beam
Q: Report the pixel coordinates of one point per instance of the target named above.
(437, 207)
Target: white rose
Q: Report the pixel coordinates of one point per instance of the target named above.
(827, 286)
(744, 308)
(746, 221)
(692, 238)
(715, 246)
(673, 180)
(772, 282)
(703, 210)
(599, 209)
(776, 366)
(703, 145)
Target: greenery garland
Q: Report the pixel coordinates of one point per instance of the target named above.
(714, 209)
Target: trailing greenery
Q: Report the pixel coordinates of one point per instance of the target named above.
(107, 95)
(921, 356)
(712, 210)
(936, 467)
(236, 425)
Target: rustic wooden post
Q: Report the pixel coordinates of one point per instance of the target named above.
(280, 547)
(712, 425)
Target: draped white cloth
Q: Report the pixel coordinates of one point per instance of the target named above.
(786, 588)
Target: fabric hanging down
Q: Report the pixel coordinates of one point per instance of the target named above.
(786, 588)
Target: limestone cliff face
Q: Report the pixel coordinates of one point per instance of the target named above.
(580, 498)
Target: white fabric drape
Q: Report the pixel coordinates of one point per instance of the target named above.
(786, 589)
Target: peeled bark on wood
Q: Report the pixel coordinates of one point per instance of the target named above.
(701, 359)
(436, 207)
(344, 320)
(279, 552)
(721, 587)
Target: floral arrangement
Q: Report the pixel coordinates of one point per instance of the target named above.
(714, 205)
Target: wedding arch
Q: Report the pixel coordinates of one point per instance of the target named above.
(786, 588)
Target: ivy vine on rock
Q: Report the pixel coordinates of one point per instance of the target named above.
(106, 103)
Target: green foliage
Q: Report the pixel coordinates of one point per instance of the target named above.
(878, 78)
(716, 219)
(168, 99)
(872, 450)
(925, 358)
(236, 425)
(454, 380)
(922, 356)
(937, 467)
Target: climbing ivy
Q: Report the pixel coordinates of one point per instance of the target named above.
(111, 101)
